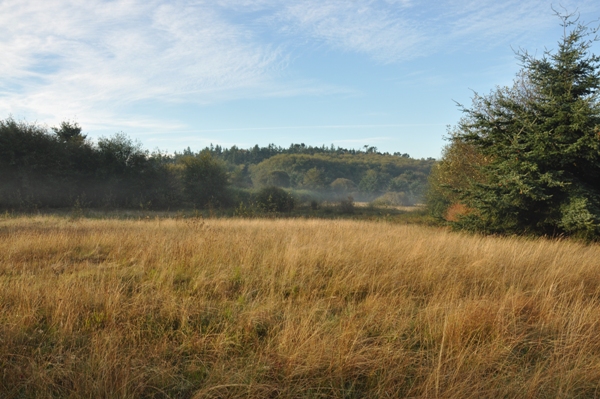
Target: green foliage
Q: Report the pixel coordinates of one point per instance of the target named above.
(239, 176)
(43, 167)
(36, 167)
(342, 186)
(438, 197)
(315, 169)
(320, 171)
(127, 175)
(256, 154)
(69, 132)
(40, 168)
(579, 216)
(540, 141)
(120, 150)
(314, 178)
(371, 182)
(392, 199)
(204, 180)
(460, 167)
(243, 210)
(277, 178)
(274, 199)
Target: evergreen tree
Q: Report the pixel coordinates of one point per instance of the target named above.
(540, 140)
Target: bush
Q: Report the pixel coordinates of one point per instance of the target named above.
(275, 199)
(392, 199)
(347, 205)
(314, 205)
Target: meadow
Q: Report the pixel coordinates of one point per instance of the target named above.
(207, 308)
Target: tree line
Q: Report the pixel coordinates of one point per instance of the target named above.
(61, 166)
(257, 154)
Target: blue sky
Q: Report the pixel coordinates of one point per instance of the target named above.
(173, 74)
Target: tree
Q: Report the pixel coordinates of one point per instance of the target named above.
(541, 141)
(314, 178)
(460, 167)
(69, 132)
(371, 182)
(30, 163)
(204, 180)
(278, 178)
(342, 186)
(120, 155)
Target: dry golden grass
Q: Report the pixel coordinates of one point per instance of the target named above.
(292, 308)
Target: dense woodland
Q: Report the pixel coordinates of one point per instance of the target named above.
(60, 167)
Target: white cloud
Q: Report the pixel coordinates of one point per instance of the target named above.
(383, 31)
(77, 58)
(392, 31)
(92, 59)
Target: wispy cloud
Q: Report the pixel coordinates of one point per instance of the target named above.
(93, 59)
(394, 31)
(382, 30)
(82, 57)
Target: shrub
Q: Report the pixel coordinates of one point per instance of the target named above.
(392, 199)
(314, 205)
(347, 205)
(275, 199)
(342, 185)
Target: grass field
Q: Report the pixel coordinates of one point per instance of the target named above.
(193, 308)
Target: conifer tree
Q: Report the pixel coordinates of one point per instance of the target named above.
(541, 142)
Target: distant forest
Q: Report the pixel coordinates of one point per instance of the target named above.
(60, 167)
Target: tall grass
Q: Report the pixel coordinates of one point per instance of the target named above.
(264, 308)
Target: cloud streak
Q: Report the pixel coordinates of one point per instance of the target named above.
(391, 31)
(95, 55)
(383, 31)
(96, 59)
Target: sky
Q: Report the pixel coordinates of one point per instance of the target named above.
(179, 73)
